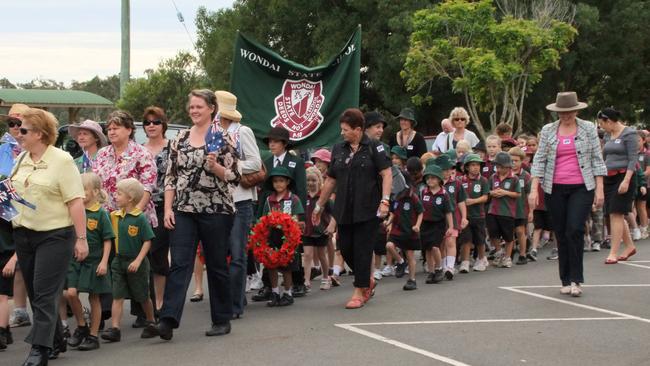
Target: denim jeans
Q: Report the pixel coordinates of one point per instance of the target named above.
(238, 260)
(570, 206)
(213, 230)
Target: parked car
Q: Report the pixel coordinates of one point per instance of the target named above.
(65, 141)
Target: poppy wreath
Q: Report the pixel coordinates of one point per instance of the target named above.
(258, 241)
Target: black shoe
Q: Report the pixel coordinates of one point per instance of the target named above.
(90, 343)
(218, 330)
(165, 330)
(285, 300)
(299, 291)
(400, 268)
(236, 316)
(264, 294)
(410, 285)
(532, 255)
(112, 335)
(430, 278)
(38, 356)
(449, 274)
(521, 260)
(66, 333)
(150, 331)
(78, 336)
(315, 272)
(274, 300)
(438, 276)
(139, 322)
(3, 340)
(53, 353)
(5, 337)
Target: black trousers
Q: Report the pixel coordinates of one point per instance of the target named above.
(356, 244)
(44, 257)
(570, 206)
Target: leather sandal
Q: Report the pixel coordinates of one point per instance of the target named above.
(196, 298)
(611, 261)
(623, 258)
(354, 303)
(370, 291)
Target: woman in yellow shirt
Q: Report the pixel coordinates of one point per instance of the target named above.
(46, 237)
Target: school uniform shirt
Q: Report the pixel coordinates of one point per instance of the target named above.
(488, 169)
(457, 194)
(132, 229)
(405, 209)
(475, 188)
(317, 231)
(504, 206)
(98, 229)
(522, 202)
(436, 205)
(289, 203)
(296, 167)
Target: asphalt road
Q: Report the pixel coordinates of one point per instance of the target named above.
(499, 317)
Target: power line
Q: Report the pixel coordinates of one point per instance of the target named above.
(181, 19)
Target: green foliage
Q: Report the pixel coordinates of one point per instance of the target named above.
(493, 61)
(167, 87)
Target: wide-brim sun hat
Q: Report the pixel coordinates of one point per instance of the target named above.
(227, 103)
(409, 114)
(566, 102)
(433, 170)
(322, 154)
(373, 118)
(279, 134)
(399, 151)
(472, 158)
(91, 126)
(503, 159)
(16, 109)
(443, 161)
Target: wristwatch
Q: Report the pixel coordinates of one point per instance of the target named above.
(81, 238)
(317, 208)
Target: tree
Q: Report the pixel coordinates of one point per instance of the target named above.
(492, 59)
(167, 87)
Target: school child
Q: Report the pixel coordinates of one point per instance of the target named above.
(282, 199)
(321, 159)
(398, 157)
(504, 131)
(481, 150)
(8, 260)
(315, 238)
(500, 220)
(405, 220)
(642, 196)
(493, 147)
(437, 221)
(541, 223)
(130, 267)
(462, 149)
(531, 144)
(523, 214)
(477, 190)
(414, 170)
(456, 192)
(91, 275)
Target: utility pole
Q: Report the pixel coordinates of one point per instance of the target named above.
(125, 68)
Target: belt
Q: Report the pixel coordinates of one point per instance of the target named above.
(611, 173)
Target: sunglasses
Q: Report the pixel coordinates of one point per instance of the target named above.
(24, 131)
(459, 119)
(14, 123)
(155, 123)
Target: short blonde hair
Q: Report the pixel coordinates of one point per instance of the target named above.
(426, 156)
(465, 145)
(43, 122)
(132, 188)
(92, 181)
(459, 112)
(493, 138)
(312, 170)
(517, 151)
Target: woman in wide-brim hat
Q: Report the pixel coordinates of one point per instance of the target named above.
(409, 139)
(90, 138)
(570, 162)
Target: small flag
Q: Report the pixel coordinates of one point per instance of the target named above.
(7, 194)
(15, 146)
(86, 163)
(213, 138)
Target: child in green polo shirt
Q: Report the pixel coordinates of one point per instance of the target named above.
(283, 200)
(476, 190)
(91, 275)
(130, 267)
(502, 209)
(398, 157)
(523, 214)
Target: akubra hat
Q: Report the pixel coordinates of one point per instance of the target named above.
(408, 113)
(399, 151)
(566, 102)
(278, 171)
(473, 158)
(373, 118)
(91, 126)
(278, 133)
(434, 170)
(227, 103)
(503, 159)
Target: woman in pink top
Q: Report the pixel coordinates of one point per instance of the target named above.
(570, 166)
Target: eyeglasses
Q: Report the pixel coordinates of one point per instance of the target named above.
(460, 119)
(14, 123)
(24, 131)
(155, 123)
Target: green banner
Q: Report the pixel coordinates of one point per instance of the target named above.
(307, 101)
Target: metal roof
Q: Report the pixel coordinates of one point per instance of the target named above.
(53, 98)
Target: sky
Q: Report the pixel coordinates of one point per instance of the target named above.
(68, 40)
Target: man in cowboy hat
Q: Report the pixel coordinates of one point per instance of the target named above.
(279, 144)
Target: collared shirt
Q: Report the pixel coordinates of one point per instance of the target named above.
(296, 167)
(135, 162)
(358, 184)
(98, 229)
(455, 189)
(504, 206)
(475, 188)
(85, 165)
(588, 149)
(316, 231)
(405, 208)
(132, 229)
(436, 205)
(278, 160)
(522, 202)
(289, 203)
(49, 184)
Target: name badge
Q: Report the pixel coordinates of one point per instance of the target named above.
(439, 201)
(496, 184)
(407, 206)
(292, 164)
(410, 147)
(617, 141)
(566, 141)
(506, 185)
(477, 188)
(426, 198)
(465, 185)
(485, 168)
(395, 205)
(287, 207)
(522, 182)
(380, 148)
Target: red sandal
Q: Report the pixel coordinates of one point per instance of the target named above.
(611, 261)
(370, 291)
(354, 303)
(624, 258)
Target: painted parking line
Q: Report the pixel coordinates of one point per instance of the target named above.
(636, 264)
(354, 327)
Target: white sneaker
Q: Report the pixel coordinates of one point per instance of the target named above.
(498, 258)
(249, 279)
(595, 247)
(636, 234)
(464, 267)
(644, 233)
(377, 275)
(388, 271)
(576, 290)
(565, 290)
(256, 281)
(506, 262)
(479, 266)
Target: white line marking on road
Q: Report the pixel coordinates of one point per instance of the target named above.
(485, 321)
(588, 307)
(401, 345)
(556, 286)
(635, 265)
(643, 261)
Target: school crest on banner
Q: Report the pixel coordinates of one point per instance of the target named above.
(298, 108)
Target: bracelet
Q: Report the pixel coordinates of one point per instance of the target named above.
(81, 238)
(385, 202)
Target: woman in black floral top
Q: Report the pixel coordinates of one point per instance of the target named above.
(199, 206)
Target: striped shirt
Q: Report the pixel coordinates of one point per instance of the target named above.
(504, 206)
